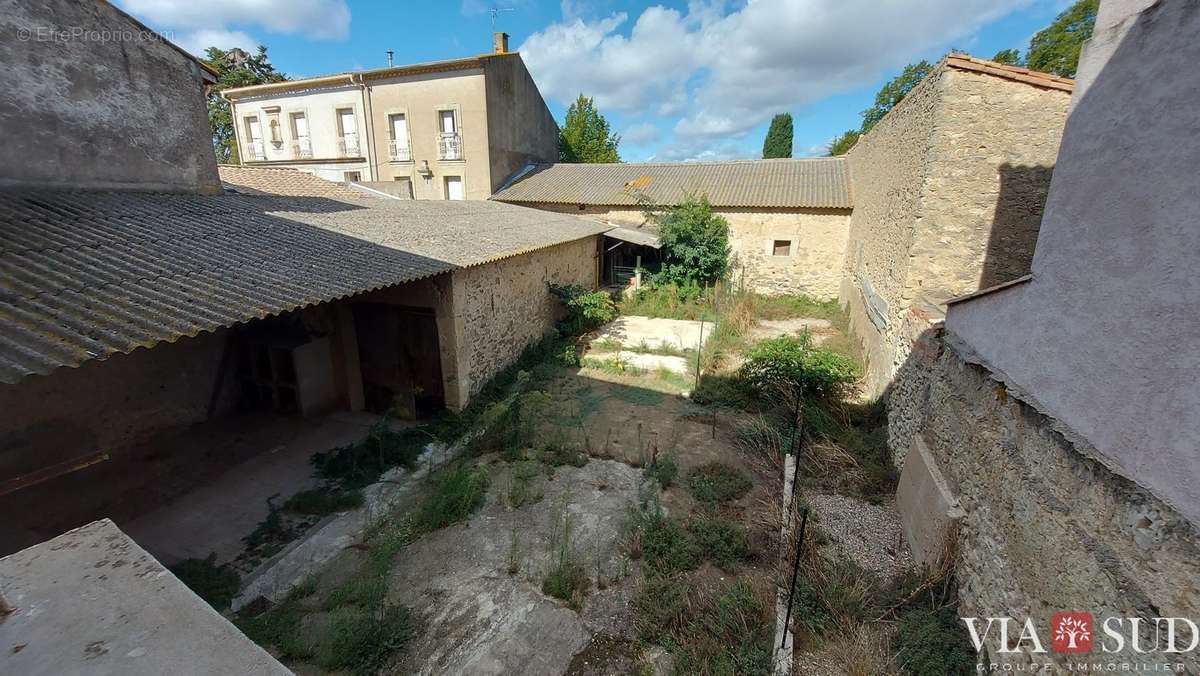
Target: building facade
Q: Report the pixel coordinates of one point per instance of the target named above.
(1058, 411)
(788, 218)
(452, 129)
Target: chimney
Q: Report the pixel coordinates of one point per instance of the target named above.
(500, 43)
(390, 53)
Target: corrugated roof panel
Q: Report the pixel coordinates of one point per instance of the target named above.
(785, 183)
(87, 275)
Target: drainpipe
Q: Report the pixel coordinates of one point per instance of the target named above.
(372, 153)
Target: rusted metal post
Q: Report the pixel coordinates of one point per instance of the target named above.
(795, 571)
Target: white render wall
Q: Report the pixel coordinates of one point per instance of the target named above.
(319, 108)
(1105, 338)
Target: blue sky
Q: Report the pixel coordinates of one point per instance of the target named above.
(679, 80)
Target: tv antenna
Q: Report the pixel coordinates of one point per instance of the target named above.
(496, 10)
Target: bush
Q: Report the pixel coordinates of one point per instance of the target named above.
(586, 310)
(215, 584)
(324, 500)
(787, 363)
(664, 470)
(724, 542)
(933, 643)
(716, 482)
(669, 301)
(457, 493)
(362, 639)
(666, 546)
(695, 244)
(360, 464)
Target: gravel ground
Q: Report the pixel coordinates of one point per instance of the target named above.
(870, 535)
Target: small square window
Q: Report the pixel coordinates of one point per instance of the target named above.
(782, 247)
(352, 176)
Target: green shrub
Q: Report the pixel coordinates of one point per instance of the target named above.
(586, 310)
(215, 584)
(669, 301)
(567, 581)
(723, 542)
(666, 546)
(360, 464)
(695, 244)
(457, 492)
(933, 643)
(323, 500)
(788, 363)
(717, 482)
(664, 470)
(661, 608)
(362, 639)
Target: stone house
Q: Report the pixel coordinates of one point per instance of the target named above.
(1051, 421)
(170, 303)
(948, 193)
(788, 218)
(454, 129)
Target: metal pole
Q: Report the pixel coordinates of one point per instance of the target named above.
(787, 619)
(699, 352)
(797, 440)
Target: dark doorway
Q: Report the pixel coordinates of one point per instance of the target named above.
(400, 357)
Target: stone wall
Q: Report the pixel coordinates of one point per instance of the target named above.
(106, 404)
(111, 107)
(502, 307)
(1046, 527)
(817, 236)
(948, 194)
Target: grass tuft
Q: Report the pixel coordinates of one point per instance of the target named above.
(716, 482)
(217, 585)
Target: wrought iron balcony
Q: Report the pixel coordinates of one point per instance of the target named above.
(255, 151)
(399, 151)
(348, 147)
(301, 148)
(449, 147)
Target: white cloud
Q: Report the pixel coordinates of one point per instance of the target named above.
(198, 41)
(640, 134)
(727, 73)
(193, 21)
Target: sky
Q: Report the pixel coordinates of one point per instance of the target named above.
(696, 80)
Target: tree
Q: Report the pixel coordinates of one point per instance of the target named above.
(235, 68)
(1055, 49)
(779, 137)
(1011, 57)
(893, 92)
(695, 244)
(586, 137)
(840, 144)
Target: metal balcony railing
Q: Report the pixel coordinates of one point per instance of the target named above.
(301, 148)
(255, 151)
(399, 151)
(348, 146)
(449, 147)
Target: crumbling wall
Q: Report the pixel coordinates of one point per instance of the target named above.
(505, 306)
(1047, 528)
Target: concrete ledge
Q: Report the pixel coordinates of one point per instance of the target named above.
(928, 509)
(91, 601)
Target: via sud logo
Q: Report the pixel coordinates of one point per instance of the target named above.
(1078, 632)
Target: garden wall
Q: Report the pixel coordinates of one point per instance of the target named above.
(948, 195)
(1046, 528)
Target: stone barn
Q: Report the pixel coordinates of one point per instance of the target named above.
(788, 219)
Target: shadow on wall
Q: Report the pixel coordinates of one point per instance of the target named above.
(1015, 225)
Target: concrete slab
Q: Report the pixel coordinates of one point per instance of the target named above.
(655, 333)
(928, 508)
(651, 362)
(479, 619)
(773, 328)
(90, 601)
(187, 527)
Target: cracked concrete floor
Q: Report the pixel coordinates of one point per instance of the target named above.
(480, 619)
